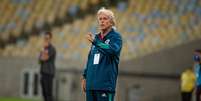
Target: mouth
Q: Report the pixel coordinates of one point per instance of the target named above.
(102, 25)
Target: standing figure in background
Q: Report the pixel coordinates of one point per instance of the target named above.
(197, 65)
(47, 69)
(187, 84)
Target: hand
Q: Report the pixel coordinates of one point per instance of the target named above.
(83, 85)
(44, 55)
(89, 37)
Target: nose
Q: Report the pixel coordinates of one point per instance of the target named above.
(102, 21)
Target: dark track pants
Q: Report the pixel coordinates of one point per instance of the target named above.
(186, 96)
(47, 85)
(198, 93)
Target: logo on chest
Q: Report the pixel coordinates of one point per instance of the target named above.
(107, 41)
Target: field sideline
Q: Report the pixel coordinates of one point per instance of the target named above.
(15, 99)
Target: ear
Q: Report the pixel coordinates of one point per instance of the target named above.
(111, 23)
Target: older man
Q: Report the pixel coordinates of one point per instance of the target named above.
(100, 74)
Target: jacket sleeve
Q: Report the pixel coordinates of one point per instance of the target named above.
(52, 53)
(112, 48)
(39, 59)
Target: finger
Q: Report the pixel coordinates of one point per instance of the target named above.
(89, 39)
(90, 33)
(88, 36)
(84, 88)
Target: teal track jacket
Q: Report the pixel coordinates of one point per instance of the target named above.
(102, 65)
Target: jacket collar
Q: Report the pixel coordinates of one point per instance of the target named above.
(102, 38)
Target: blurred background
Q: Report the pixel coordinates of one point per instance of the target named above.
(159, 37)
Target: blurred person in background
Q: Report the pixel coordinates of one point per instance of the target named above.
(197, 64)
(47, 69)
(187, 84)
(101, 71)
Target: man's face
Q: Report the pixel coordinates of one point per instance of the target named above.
(197, 53)
(197, 56)
(46, 40)
(104, 21)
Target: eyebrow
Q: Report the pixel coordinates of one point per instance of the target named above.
(104, 17)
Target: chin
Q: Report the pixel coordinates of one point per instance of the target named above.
(104, 28)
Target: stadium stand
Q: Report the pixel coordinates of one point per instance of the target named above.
(151, 27)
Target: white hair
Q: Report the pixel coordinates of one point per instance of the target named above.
(108, 13)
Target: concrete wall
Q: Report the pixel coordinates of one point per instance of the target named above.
(10, 73)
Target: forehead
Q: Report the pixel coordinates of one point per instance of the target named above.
(102, 15)
(46, 36)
